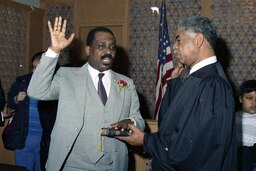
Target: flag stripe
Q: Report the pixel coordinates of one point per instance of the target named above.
(164, 62)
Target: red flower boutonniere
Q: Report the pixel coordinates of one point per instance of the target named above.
(122, 84)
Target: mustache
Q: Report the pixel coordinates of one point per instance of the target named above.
(107, 56)
(174, 52)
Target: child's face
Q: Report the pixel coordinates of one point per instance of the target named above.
(248, 101)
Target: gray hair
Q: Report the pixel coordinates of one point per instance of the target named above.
(199, 24)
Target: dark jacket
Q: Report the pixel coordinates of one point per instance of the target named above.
(2, 98)
(21, 109)
(47, 113)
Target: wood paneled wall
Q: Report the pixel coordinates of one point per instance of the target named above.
(14, 61)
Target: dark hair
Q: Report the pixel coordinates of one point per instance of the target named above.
(91, 34)
(199, 24)
(247, 87)
(37, 56)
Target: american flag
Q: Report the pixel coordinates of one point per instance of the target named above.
(164, 62)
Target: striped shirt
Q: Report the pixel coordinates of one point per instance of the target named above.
(246, 128)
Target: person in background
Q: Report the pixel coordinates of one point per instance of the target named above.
(88, 102)
(246, 126)
(2, 104)
(197, 131)
(30, 112)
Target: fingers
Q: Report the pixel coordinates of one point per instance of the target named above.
(133, 128)
(180, 69)
(22, 95)
(50, 26)
(59, 21)
(180, 65)
(63, 29)
(113, 124)
(8, 112)
(55, 26)
(58, 27)
(70, 39)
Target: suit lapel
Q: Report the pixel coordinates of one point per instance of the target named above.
(81, 80)
(116, 97)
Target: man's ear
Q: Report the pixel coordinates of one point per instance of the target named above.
(87, 50)
(199, 40)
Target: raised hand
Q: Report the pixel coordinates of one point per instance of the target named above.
(58, 40)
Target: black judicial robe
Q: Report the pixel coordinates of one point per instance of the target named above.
(197, 127)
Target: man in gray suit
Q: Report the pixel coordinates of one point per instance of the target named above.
(76, 141)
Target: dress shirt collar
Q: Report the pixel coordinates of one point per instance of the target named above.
(95, 78)
(203, 63)
(94, 73)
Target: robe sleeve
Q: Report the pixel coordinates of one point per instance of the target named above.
(172, 87)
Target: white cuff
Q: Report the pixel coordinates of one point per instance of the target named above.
(50, 53)
(134, 122)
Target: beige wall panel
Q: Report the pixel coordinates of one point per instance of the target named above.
(95, 12)
(35, 34)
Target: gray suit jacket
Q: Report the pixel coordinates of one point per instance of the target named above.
(68, 85)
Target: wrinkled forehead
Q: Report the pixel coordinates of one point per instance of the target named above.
(181, 32)
(104, 36)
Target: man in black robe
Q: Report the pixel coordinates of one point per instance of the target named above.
(197, 131)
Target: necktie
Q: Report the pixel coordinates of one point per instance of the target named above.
(101, 89)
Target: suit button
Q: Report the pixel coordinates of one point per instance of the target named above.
(76, 129)
(68, 147)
